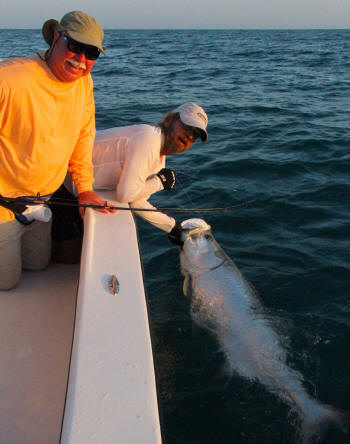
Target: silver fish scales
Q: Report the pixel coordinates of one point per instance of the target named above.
(223, 302)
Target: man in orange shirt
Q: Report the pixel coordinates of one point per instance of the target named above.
(47, 127)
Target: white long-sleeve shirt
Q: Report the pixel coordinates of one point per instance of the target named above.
(127, 159)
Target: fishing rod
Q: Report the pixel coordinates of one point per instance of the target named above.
(106, 206)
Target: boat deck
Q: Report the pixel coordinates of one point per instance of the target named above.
(36, 330)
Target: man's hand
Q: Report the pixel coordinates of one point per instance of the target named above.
(91, 198)
(175, 234)
(167, 177)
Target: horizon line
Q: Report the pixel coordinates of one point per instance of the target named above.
(196, 29)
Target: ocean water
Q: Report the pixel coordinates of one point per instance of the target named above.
(279, 136)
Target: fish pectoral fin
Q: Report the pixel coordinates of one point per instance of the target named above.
(186, 285)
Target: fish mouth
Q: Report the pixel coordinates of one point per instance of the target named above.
(196, 232)
(193, 228)
(194, 224)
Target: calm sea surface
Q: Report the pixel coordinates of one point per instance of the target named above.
(279, 110)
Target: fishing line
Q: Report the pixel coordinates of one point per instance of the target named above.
(187, 194)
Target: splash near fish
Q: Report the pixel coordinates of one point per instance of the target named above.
(224, 303)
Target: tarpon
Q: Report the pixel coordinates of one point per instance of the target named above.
(225, 303)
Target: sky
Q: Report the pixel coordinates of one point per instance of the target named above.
(184, 14)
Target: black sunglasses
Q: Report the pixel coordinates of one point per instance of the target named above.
(191, 132)
(91, 52)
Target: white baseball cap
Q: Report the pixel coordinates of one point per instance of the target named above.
(193, 115)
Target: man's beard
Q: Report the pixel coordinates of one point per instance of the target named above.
(171, 143)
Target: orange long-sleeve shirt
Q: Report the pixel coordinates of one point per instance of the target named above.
(46, 127)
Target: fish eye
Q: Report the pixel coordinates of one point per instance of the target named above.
(208, 236)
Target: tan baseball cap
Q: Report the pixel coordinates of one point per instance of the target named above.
(79, 26)
(193, 115)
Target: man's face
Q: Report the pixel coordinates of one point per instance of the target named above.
(65, 64)
(179, 137)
